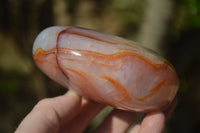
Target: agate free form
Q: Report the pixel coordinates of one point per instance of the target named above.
(106, 68)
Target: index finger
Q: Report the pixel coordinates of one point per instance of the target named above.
(50, 113)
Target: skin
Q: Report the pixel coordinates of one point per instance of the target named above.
(71, 113)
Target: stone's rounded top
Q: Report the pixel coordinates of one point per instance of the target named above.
(47, 38)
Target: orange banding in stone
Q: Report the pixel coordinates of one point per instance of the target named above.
(151, 91)
(157, 87)
(119, 87)
(92, 88)
(141, 99)
(93, 62)
(100, 55)
(107, 57)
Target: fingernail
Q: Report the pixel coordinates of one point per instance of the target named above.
(70, 92)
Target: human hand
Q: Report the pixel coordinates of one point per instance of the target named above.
(71, 113)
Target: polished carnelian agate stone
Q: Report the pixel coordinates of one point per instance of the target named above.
(106, 68)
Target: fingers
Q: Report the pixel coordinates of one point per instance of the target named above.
(136, 128)
(66, 107)
(152, 123)
(61, 114)
(49, 114)
(86, 113)
(118, 121)
(72, 114)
